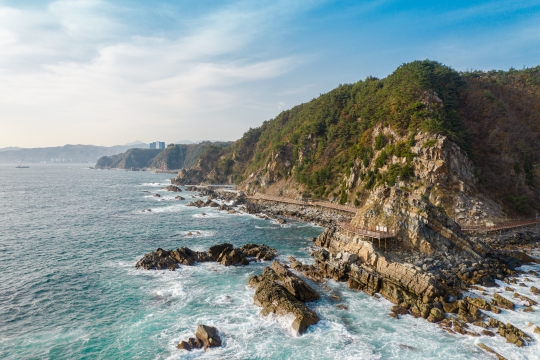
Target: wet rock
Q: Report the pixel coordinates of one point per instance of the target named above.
(205, 337)
(491, 351)
(173, 188)
(293, 284)
(503, 302)
(275, 298)
(531, 302)
(208, 335)
(178, 198)
(157, 195)
(259, 252)
(528, 309)
(232, 257)
(183, 345)
(435, 315)
(535, 290)
(216, 250)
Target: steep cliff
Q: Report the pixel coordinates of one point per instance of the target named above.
(469, 142)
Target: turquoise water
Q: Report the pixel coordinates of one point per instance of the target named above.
(69, 240)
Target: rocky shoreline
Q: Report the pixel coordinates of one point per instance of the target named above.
(435, 284)
(430, 286)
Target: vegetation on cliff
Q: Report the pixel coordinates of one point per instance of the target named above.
(493, 116)
(175, 156)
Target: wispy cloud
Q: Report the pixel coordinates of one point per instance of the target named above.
(80, 72)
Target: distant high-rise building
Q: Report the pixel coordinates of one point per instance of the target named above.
(157, 145)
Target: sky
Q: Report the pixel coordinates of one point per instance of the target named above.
(112, 72)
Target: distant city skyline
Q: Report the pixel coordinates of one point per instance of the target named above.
(106, 72)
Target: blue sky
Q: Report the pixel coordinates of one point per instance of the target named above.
(110, 72)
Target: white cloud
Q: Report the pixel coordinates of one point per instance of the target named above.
(78, 77)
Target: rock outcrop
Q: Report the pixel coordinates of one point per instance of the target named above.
(205, 337)
(223, 253)
(282, 293)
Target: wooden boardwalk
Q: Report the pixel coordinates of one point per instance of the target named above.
(508, 225)
(324, 204)
(385, 239)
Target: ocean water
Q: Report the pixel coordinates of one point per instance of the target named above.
(69, 240)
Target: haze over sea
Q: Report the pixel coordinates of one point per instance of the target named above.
(69, 240)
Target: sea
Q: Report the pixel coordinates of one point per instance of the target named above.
(69, 240)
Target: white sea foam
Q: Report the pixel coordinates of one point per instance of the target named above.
(206, 215)
(198, 233)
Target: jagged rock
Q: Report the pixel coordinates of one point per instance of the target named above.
(208, 335)
(183, 345)
(216, 250)
(178, 198)
(199, 203)
(491, 351)
(503, 302)
(535, 290)
(205, 336)
(435, 315)
(259, 252)
(173, 188)
(273, 298)
(293, 284)
(223, 253)
(163, 259)
(531, 302)
(232, 257)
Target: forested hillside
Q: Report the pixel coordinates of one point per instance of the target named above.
(174, 157)
(360, 136)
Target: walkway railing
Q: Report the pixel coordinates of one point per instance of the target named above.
(501, 226)
(367, 232)
(324, 204)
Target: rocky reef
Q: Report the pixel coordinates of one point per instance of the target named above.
(279, 291)
(225, 254)
(205, 337)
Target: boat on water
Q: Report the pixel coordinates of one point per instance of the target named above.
(20, 165)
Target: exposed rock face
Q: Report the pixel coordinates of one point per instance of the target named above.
(419, 224)
(394, 280)
(293, 284)
(274, 293)
(223, 253)
(170, 259)
(205, 337)
(208, 335)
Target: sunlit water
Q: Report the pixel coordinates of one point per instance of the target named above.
(69, 240)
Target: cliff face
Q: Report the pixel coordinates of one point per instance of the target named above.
(133, 158)
(173, 157)
(469, 142)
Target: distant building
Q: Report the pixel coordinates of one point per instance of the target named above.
(157, 145)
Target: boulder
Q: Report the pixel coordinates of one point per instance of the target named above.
(216, 250)
(183, 345)
(503, 302)
(179, 198)
(208, 335)
(273, 298)
(259, 252)
(293, 284)
(173, 188)
(157, 195)
(232, 257)
(435, 315)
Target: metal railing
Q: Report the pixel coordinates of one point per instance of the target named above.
(501, 226)
(376, 234)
